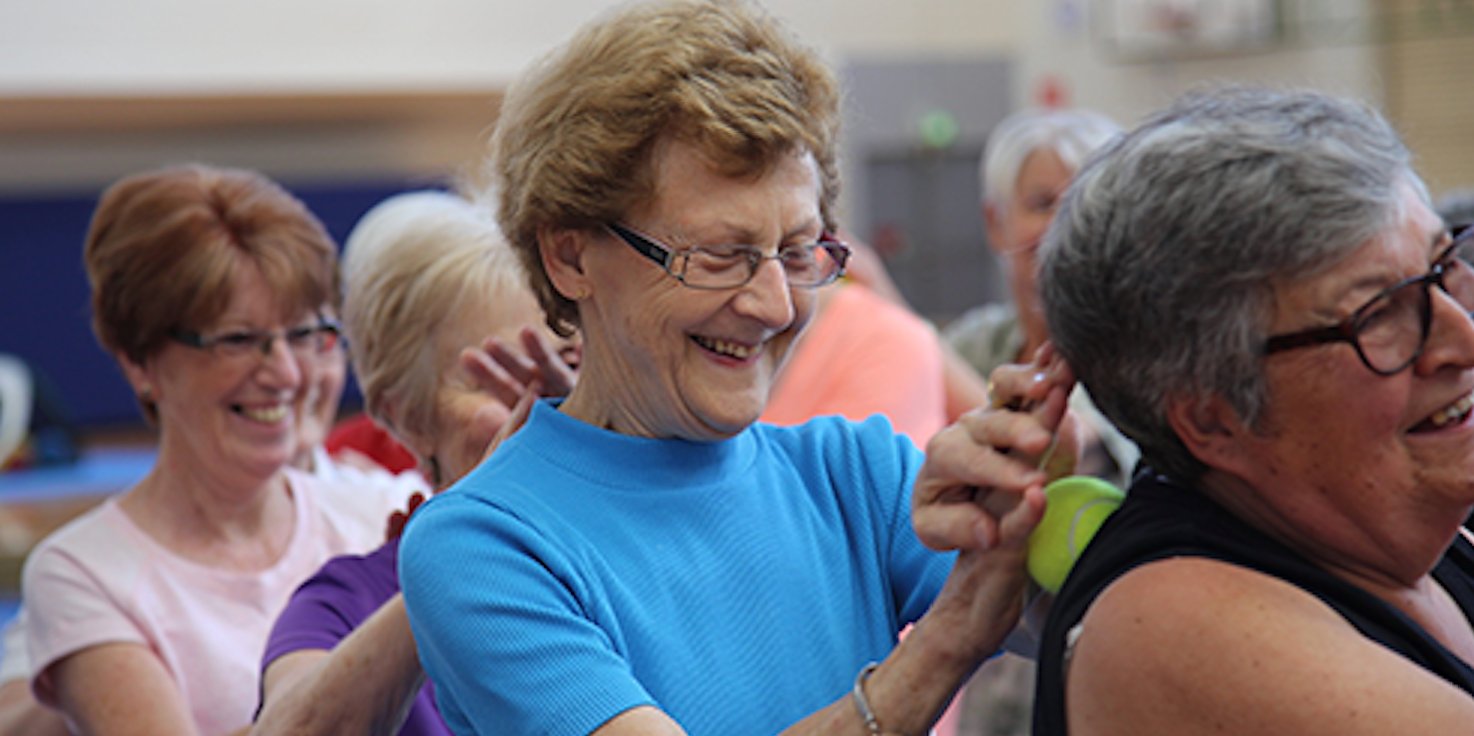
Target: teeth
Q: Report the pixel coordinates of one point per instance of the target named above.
(1454, 413)
(268, 415)
(741, 352)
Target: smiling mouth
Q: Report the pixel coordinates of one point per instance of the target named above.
(723, 347)
(1454, 413)
(265, 415)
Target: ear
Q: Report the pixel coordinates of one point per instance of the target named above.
(139, 377)
(562, 251)
(1212, 431)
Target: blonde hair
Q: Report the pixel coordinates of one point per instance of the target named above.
(575, 142)
(412, 266)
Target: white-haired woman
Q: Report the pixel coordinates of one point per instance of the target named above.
(428, 280)
(1028, 163)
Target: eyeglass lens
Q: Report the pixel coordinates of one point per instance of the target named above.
(1392, 329)
(303, 341)
(728, 266)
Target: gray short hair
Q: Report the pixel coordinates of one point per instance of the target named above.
(1071, 134)
(412, 267)
(1159, 273)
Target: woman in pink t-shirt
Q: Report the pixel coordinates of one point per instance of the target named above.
(212, 289)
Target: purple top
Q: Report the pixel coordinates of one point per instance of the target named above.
(334, 602)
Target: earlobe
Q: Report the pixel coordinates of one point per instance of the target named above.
(138, 377)
(562, 252)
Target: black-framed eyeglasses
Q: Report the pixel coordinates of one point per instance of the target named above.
(729, 266)
(1390, 331)
(303, 340)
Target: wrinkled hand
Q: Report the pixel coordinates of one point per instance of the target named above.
(979, 469)
(972, 497)
(1041, 389)
(507, 372)
(981, 492)
(398, 519)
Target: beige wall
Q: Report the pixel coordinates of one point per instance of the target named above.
(191, 46)
(320, 89)
(390, 88)
(1326, 44)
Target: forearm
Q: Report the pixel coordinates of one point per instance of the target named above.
(120, 689)
(366, 685)
(912, 687)
(21, 715)
(907, 693)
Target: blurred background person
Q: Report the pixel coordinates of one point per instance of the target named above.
(341, 659)
(318, 420)
(21, 715)
(212, 289)
(1028, 162)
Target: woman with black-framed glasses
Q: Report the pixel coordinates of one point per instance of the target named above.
(1254, 287)
(645, 556)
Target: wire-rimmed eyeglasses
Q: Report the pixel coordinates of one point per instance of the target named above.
(729, 266)
(1390, 331)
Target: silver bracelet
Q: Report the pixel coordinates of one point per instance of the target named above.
(861, 703)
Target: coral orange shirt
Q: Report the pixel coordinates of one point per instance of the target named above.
(864, 355)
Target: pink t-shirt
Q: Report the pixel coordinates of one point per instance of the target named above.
(864, 355)
(100, 579)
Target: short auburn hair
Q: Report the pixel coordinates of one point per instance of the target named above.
(162, 245)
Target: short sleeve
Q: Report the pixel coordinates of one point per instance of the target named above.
(486, 596)
(68, 610)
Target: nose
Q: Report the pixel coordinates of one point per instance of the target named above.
(1450, 335)
(280, 363)
(767, 297)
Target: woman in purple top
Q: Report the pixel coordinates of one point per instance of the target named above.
(341, 659)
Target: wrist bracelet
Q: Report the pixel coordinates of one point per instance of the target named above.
(861, 703)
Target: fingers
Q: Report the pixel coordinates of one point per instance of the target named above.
(1004, 431)
(398, 519)
(970, 481)
(506, 371)
(557, 376)
(1021, 385)
(497, 370)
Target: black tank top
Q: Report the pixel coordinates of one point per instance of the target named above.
(1161, 519)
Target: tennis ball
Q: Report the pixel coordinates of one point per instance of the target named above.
(1077, 506)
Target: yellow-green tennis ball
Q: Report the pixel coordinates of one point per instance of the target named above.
(1077, 506)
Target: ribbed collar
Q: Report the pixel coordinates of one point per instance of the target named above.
(636, 463)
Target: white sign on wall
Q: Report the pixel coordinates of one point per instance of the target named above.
(1147, 29)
